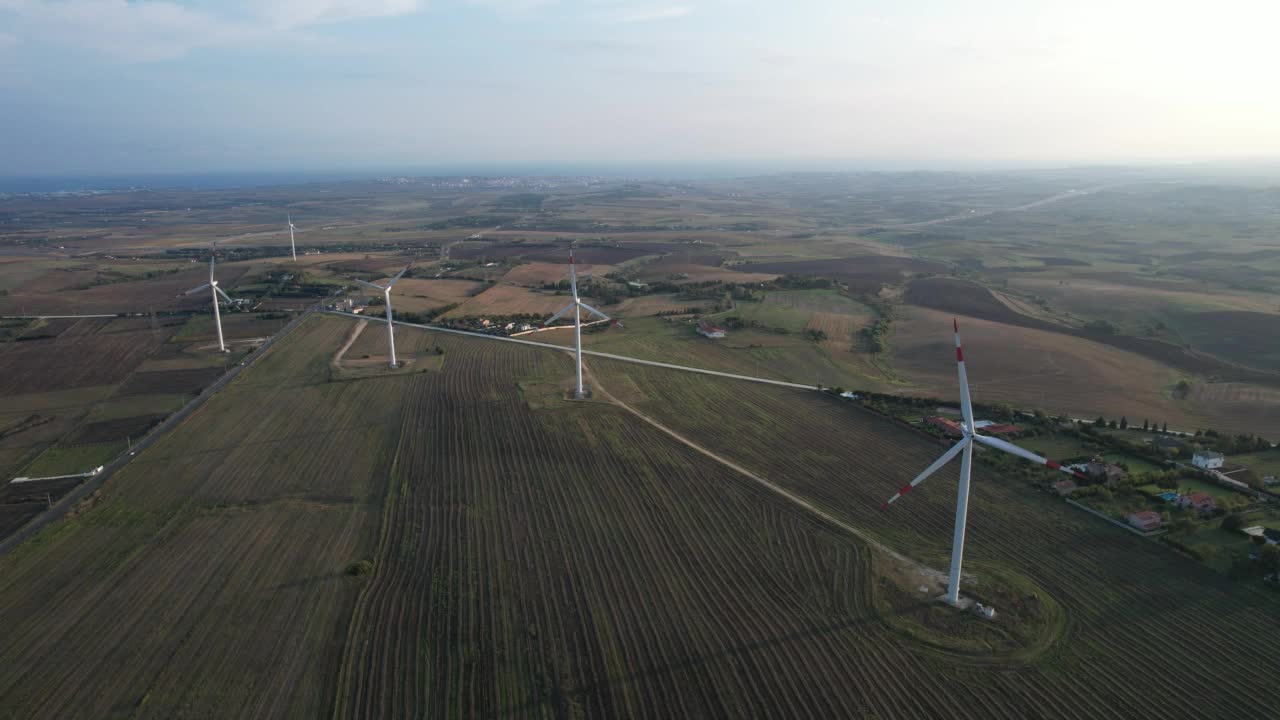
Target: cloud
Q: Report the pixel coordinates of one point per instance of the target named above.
(299, 13)
(153, 30)
(643, 13)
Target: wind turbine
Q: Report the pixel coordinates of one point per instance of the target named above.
(965, 445)
(577, 306)
(386, 296)
(216, 291)
(292, 248)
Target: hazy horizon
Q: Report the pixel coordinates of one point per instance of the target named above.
(108, 88)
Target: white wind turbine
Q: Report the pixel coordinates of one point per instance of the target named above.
(577, 306)
(292, 248)
(965, 445)
(386, 296)
(216, 291)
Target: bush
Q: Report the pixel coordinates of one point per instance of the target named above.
(361, 568)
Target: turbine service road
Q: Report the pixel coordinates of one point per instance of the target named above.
(596, 353)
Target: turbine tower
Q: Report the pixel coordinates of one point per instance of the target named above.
(968, 437)
(577, 306)
(292, 248)
(386, 296)
(216, 291)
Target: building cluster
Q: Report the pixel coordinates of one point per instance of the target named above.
(706, 328)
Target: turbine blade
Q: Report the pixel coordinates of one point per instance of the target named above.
(198, 289)
(1024, 454)
(398, 276)
(379, 288)
(966, 407)
(558, 315)
(228, 297)
(210, 268)
(594, 311)
(947, 457)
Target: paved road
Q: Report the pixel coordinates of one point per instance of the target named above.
(972, 214)
(611, 356)
(82, 491)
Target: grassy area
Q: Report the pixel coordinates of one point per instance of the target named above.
(70, 459)
(1266, 462)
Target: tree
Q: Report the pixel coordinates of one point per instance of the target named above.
(1164, 428)
(1145, 426)
(1124, 422)
(1184, 525)
(1270, 559)
(1232, 523)
(1112, 424)
(1100, 422)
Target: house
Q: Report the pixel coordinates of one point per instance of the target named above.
(711, 330)
(950, 427)
(1198, 501)
(1004, 429)
(1144, 520)
(849, 395)
(1272, 535)
(1207, 459)
(1064, 487)
(1166, 442)
(1101, 471)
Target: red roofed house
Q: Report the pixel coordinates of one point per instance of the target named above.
(1198, 501)
(1000, 429)
(709, 329)
(950, 427)
(1144, 520)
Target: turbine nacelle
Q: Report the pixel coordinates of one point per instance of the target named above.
(969, 437)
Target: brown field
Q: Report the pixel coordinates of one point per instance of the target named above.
(160, 293)
(589, 254)
(1032, 368)
(536, 273)
(80, 361)
(509, 300)
(970, 299)
(419, 295)
(863, 273)
(651, 305)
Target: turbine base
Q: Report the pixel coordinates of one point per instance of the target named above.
(961, 603)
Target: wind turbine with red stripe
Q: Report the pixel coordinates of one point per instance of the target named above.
(968, 437)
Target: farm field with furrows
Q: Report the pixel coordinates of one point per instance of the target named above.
(209, 576)
(1123, 596)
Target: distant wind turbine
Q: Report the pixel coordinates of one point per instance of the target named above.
(965, 445)
(577, 306)
(386, 296)
(292, 248)
(216, 291)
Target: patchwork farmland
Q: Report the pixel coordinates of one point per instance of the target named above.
(531, 557)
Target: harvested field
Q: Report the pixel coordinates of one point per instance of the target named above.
(169, 382)
(536, 273)
(478, 250)
(159, 293)
(1033, 368)
(1122, 596)
(970, 299)
(589, 254)
(509, 300)
(210, 577)
(651, 305)
(1247, 338)
(108, 430)
(72, 362)
(438, 291)
(863, 274)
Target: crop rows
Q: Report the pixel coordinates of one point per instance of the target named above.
(209, 578)
(1147, 628)
(577, 562)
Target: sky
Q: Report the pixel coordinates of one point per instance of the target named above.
(113, 87)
